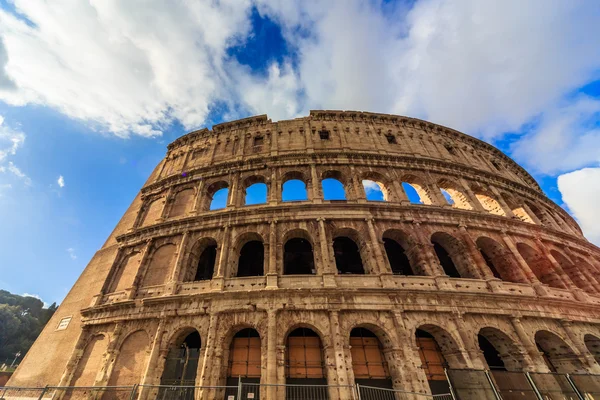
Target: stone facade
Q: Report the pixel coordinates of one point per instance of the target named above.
(528, 278)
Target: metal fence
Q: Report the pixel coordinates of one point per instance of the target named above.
(463, 384)
(377, 393)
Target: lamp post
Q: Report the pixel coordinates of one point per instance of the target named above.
(16, 356)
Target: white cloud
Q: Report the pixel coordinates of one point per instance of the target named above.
(18, 173)
(10, 140)
(61, 181)
(565, 138)
(580, 190)
(482, 67)
(371, 186)
(72, 254)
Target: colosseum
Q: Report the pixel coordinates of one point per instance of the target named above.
(380, 257)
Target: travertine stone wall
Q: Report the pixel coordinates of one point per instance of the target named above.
(138, 295)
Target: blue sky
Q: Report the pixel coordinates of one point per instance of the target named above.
(94, 91)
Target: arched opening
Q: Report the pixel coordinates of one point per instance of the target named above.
(294, 190)
(298, 258)
(255, 190)
(333, 189)
(244, 358)
(446, 261)
(521, 214)
(131, 360)
(557, 354)
(397, 257)
(543, 217)
(592, 343)
(433, 362)
(540, 266)
(500, 260)
(184, 200)
(490, 204)
(454, 196)
(416, 193)
(88, 365)
(347, 256)
(305, 360)
(503, 357)
(160, 265)
(368, 360)
(572, 271)
(216, 196)
(206, 263)
(451, 255)
(125, 273)
(182, 360)
(251, 261)
(153, 212)
(375, 191)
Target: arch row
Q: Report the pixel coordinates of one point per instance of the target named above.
(391, 349)
(215, 260)
(322, 183)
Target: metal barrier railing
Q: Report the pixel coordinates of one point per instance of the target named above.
(378, 393)
(463, 384)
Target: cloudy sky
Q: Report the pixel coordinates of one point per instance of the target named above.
(91, 92)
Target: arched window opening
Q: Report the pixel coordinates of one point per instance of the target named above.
(521, 214)
(592, 343)
(368, 360)
(256, 194)
(375, 191)
(446, 261)
(433, 362)
(543, 217)
(298, 257)
(491, 355)
(416, 193)
(244, 358)
(540, 266)
(490, 204)
(558, 355)
(131, 360)
(87, 367)
(219, 199)
(251, 262)
(347, 256)
(397, 257)
(153, 212)
(182, 363)
(294, 190)
(160, 265)
(183, 202)
(333, 189)
(305, 361)
(453, 196)
(572, 271)
(490, 264)
(206, 264)
(125, 273)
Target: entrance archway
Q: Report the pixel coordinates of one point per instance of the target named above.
(244, 358)
(305, 361)
(368, 360)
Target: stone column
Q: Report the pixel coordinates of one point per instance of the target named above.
(329, 271)
(471, 354)
(153, 370)
(224, 249)
(357, 188)
(340, 356)
(399, 192)
(310, 147)
(110, 357)
(437, 197)
(471, 196)
(232, 201)
(272, 267)
(426, 249)
(76, 354)
(413, 379)
(584, 353)
(144, 260)
(199, 197)
(539, 287)
(271, 377)
(593, 284)
(505, 207)
(213, 150)
(376, 245)
(317, 197)
(208, 374)
(274, 187)
(274, 143)
(180, 256)
(531, 214)
(167, 202)
(539, 365)
(482, 271)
